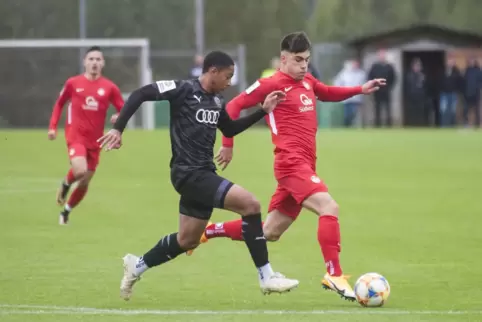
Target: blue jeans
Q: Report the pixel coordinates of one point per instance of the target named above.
(448, 104)
(350, 113)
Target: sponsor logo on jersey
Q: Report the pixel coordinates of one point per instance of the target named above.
(307, 103)
(315, 179)
(91, 104)
(207, 116)
(164, 86)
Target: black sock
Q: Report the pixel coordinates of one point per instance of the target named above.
(65, 211)
(252, 230)
(166, 249)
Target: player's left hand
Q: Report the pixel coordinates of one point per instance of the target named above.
(373, 85)
(113, 118)
(273, 99)
(111, 140)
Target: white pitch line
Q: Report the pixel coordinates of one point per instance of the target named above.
(9, 309)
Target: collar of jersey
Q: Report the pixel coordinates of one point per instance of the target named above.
(202, 89)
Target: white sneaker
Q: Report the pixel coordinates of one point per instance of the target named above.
(130, 278)
(63, 219)
(278, 283)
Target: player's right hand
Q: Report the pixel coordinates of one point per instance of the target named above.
(52, 134)
(224, 157)
(111, 140)
(273, 99)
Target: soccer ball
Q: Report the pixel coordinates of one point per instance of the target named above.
(372, 290)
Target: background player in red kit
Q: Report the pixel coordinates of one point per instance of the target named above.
(293, 127)
(90, 95)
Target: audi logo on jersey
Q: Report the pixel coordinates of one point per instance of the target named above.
(207, 116)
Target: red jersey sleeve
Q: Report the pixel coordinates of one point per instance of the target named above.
(64, 96)
(254, 95)
(327, 93)
(116, 98)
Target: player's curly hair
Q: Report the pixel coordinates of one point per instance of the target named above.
(217, 59)
(295, 42)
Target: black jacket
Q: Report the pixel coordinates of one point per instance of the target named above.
(381, 70)
(415, 86)
(452, 81)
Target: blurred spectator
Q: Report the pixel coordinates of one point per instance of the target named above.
(416, 93)
(383, 69)
(275, 62)
(197, 69)
(472, 86)
(313, 71)
(351, 75)
(452, 84)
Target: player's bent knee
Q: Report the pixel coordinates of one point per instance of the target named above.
(251, 206)
(85, 179)
(330, 208)
(322, 204)
(188, 242)
(79, 172)
(270, 235)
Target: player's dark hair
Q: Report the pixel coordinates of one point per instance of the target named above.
(93, 48)
(295, 42)
(217, 59)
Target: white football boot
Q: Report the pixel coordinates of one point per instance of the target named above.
(277, 283)
(130, 278)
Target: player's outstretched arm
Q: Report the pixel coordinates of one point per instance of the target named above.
(327, 93)
(64, 96)
(135, 100)
(158, 91)
(252, 96)
(231, 127)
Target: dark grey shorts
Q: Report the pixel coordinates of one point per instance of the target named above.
(201, 191)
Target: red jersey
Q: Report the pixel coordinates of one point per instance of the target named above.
(293, 122)
(86, 113)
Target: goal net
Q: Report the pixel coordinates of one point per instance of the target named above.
(34, 72)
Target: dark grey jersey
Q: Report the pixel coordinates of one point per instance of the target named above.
(195, 117)
(194, 120)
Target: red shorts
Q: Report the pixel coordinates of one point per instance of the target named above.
(294, 186)
(79, 150)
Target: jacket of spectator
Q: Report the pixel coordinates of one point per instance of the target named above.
(472, 81)
(351, 75)
(452, 82)
(383, 70)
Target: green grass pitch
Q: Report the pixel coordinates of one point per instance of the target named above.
(410, 209)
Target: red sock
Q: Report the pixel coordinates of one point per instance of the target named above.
(70, 178)
(329, 239)
(231, 229)
(76, 197)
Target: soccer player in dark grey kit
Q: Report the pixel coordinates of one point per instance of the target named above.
(197, 111)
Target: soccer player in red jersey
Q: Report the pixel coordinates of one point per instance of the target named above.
(90, 95)
(293, 127)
